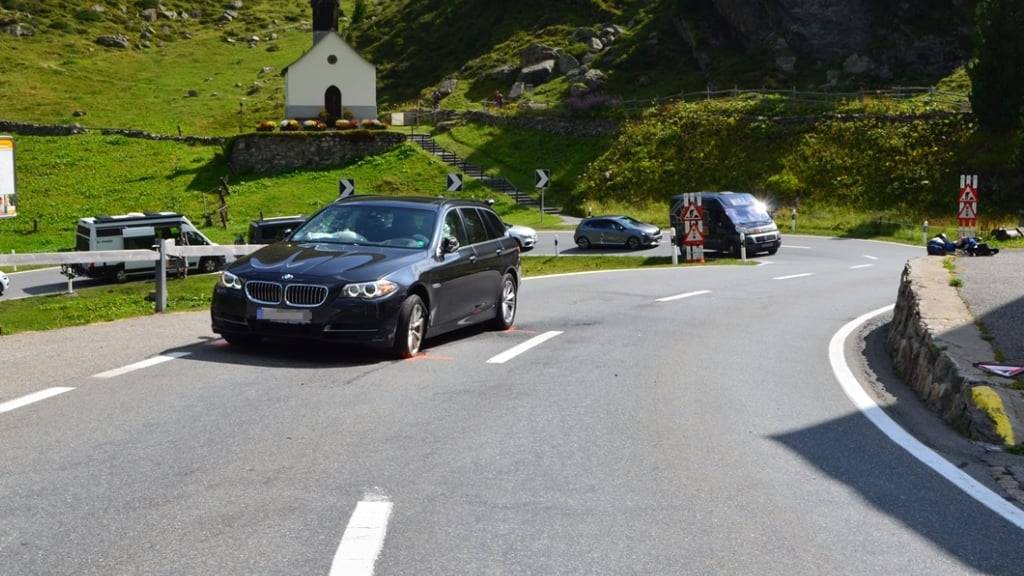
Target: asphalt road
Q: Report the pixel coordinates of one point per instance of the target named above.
(993, 288)
(546, 246)
(703, 434)
(42, 282)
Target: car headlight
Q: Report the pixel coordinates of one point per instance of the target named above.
(370, 290)
(229, 280)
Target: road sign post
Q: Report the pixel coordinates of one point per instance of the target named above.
(346, 187)
(8, 182)
(454, 182)
(543, 180)
(967, 213)
(693, 226)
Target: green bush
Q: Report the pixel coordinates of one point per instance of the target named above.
(87, 15)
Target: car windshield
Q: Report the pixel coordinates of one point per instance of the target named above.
(370, 225)
(632, 221)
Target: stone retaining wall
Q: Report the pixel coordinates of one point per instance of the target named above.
(30, 129)
(142, 134)
(934, 342)
(272, 153)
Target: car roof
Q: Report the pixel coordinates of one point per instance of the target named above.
(715, 194)
(279, 220)
(412, 201)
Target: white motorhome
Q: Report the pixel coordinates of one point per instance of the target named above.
(138, 231)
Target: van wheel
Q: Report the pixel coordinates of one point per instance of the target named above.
(583, 242)
(120, 276)
(508, 300)
(633, 243)
(412, 327)
(208, 265)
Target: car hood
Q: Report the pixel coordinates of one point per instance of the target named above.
(522, 230)
(649, 229)
(308, 261)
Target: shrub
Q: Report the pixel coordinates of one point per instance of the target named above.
(344, 125)
(290, 126)
(87, 15)
(347, 114)
(266, 126)
(370, 124)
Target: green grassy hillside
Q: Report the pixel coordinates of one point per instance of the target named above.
(63, 179)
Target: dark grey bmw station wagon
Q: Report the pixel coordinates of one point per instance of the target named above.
(380, 270)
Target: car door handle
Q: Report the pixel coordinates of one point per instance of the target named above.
(472, 258)
(498, 251)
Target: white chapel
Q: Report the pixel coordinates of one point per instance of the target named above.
(331, 76)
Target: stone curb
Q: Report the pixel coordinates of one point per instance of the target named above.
(934, 343)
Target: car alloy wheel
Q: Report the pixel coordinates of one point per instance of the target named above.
(633, 243)
(417, 325)
(583, 242)
(508, 301)
(208, 265)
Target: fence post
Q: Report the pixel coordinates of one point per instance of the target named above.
(924, 232)
(15, 266)
(161, 277)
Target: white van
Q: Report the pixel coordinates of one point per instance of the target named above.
(138, 231)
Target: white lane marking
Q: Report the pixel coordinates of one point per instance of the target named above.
(871, 257)
(525, 346)
(765, 263)
(867, 406)
(860, 266)
(797, 247)
(32, 398)
(363, 539)
(794, 276)
(681, 296)
(147, 363)
(620, 270)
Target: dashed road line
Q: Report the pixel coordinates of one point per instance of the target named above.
(792, 276)
(32, 398)
(147, 363)
(873, 412)
(682, 296)
(765, 263)
(524, 347)
(363, 539)
(869, 257)
(861, 266)
(797, 247)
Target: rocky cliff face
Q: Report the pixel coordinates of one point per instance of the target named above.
(857, 37)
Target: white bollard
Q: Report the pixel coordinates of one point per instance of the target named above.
(556, 244)
(743, 246)
(675, 249)
(924, 233)
(793, 217)
(15, 266)
(161, 276)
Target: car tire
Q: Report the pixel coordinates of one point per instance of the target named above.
(508, 304)
(412, 327)
(773, 251)
(583, 242)
(633, 243)
(120, 276)
(208, 265)
(242, 340)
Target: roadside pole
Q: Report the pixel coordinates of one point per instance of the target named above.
(743, 246)
(556, 244)
(675, 248)
(924, 233)
(792, 215)
(543, 180)
(161, 276)
(15, 266)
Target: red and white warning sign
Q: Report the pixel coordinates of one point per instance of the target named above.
(967, 213)
(692, 230)
(1004, 370)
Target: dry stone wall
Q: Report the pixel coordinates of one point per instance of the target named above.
(273, 153)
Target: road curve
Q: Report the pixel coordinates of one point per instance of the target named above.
(670, 421)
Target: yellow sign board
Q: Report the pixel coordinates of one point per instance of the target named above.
(8, 183)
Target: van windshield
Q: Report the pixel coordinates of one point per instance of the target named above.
(746, 210)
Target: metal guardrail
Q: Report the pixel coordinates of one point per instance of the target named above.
(165, 250)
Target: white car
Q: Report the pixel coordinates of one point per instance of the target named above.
(5, 282)
(525, 236)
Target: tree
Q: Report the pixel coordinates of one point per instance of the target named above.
(358, 12)
(997, 73)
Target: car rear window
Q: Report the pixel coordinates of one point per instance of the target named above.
(475, 228)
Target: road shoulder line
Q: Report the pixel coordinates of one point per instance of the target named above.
(149, 362)
(363, 539)
(524, 347)
(682, 296)
(874, 413)
(32, 398)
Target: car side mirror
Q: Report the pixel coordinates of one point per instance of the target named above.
(449, 245)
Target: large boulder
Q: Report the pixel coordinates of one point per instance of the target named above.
(594, 79)
(538, 73)
(567, 62)
(517, 91)
(114, 41)
(16, 29)
(447, 86)
(583, 34)
(594, 45)
(500, 74)
(149, 14)
(535, 54)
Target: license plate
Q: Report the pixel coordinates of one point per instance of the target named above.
(284, 316)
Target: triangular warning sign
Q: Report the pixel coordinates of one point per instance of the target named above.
(967, 211)
(691, 213)
(694, 235)
(968, 194)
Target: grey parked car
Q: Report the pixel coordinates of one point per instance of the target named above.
(616, 231)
